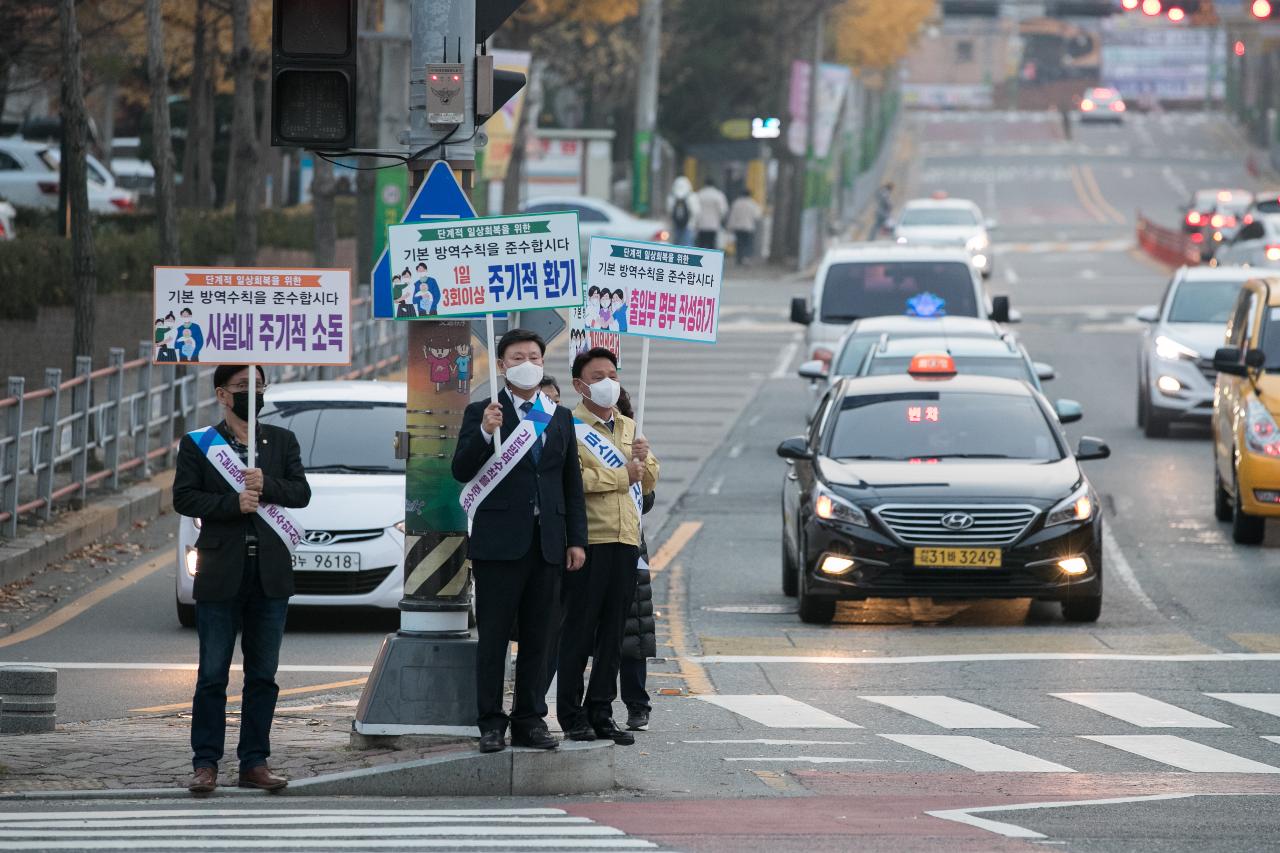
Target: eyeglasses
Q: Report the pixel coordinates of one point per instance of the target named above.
(243, 387)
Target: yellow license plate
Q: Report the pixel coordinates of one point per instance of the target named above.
(963, 558)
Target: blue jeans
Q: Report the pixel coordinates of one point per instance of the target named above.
(260, 622)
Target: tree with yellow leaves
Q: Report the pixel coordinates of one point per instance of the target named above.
(872, 35)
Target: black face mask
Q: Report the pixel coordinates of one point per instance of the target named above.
(240, 405)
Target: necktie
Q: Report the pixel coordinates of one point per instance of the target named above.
(536, 450)
(609, 425)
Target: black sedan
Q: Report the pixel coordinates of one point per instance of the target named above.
(937, 485)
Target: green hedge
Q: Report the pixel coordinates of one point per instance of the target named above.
(35, 269)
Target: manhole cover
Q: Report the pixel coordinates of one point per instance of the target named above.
(752, 608)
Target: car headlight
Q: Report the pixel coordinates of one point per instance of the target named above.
(1080, 506)
(1170, 350)
(978, 243)
(399, 525)
(830, 507)
(197, 522)
(192, 561)
(1260, 430)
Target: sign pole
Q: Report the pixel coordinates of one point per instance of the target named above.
(253, 416)
(644, 386)
(493, 357)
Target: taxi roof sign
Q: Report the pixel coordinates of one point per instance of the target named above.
(939, 364)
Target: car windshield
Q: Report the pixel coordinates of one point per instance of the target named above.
(1270, 205)
(912, 288)
(855, 349)
(938, 216)
(1010, 367)
(342, 436)
(940, 425)
(1271, 339)
(1203, 302)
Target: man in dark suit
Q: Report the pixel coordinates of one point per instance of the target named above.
(244, 577)
(525, 532)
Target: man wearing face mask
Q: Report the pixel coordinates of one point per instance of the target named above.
(597, 599)
(526, 531)
(244, 572)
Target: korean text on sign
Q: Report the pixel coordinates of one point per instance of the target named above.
(486, 265)
(264, 316)
(655, 290)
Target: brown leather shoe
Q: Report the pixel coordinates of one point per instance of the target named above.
(262, 778)
(204, 780)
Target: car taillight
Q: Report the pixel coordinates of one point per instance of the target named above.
(1217, 220)
(48, 187)
(1194, 217)
(1087, 105)
(125, 203)
(1273, 253)
(1260, 430)
(1117, 106)
(1197, 237)
(823, 355)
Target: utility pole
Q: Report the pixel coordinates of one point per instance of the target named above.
(642, 189)
(810, 222)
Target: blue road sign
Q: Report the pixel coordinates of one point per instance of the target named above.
(439, 198)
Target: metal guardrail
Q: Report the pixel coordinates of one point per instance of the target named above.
(59, 440)
(1166, 244)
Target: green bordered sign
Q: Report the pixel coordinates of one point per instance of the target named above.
(487, 265)
(654, 290)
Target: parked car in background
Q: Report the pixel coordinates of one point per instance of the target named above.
(1175, 363)
(1265, 203)
(597, 218)
(947, 222)
(1200, 208)
(8, 216)
(29, 178)
(131, 171)
(1255, 245)
(1101, 103)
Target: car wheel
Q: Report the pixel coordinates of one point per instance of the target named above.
(1082, 609)
(1222, 508)
(1142, 407)
(814, 610)
(186, 614)
(1156, 425)
(790, 573)
(1246, 529)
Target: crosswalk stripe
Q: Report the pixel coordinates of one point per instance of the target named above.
(210, 814)
(1183, 754)
(779, 712)
(978, 754)
(204, 843)
(1141, 710)
(1267, 703)
(950, 713)
(413, 831)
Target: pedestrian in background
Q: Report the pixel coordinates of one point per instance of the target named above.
(884, 209)
(526, 532)
(551, 388)
(597, 599)
(639, 635)
(682, 207)
(744, 217)
(713, 207)
(244, 577)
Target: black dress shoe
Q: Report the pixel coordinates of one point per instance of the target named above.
(492, 742)
(582, 731)
(608, 730)
(638, 721)
(536, 739)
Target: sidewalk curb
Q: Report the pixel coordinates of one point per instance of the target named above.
(574, 768)
(22, 557)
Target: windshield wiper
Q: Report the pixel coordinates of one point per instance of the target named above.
(869, 456)
(971, 456)
(356, 469)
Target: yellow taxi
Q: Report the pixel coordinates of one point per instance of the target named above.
(1246, 407)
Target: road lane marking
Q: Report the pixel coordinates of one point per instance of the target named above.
(1272, 738)
(779, 712)
(1182, 753)
(765, 741)
(950, 713)
(978, 754)
(1091, 181)
(236, 700)
(812, 759)
(736, 450)
(1010, 830)
(988, 657)
(675, 543)
(784, 359)
(1267, 703)
(1116, 564)
(1141, 710)
(1077, 183)
(65, 614)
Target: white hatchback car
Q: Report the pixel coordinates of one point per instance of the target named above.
(29, 178)
(353, 550)
(598, 218)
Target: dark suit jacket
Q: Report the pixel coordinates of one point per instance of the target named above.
(503, 524)
(201, 492)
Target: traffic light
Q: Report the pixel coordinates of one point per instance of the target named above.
(1264, 10)
(313, 74)
(494, 87)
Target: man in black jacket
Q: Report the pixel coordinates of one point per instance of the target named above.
(244, 574)
(529, 528)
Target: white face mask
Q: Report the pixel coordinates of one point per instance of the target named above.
(526, 375)
(605, 392)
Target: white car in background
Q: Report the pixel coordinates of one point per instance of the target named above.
(8, 216)
(947, 222)
(597, 218)
(1255, 245)
(29, 178)
(352, 553)
(131, 171)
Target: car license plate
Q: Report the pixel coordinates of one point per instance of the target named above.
(963, 558)
(326, 561)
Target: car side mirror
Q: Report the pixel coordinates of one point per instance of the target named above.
(1000, 309)
(795, 448)
(1044, 372)
(800, 311)
(1255, 359)
(1228, 360)
(814, 370)
(1068, 411)
(1148, 313)
(991, 225)
(1092, 448)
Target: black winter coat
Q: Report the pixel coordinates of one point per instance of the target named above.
(639, 637)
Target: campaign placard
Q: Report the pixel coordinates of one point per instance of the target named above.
(585, 334)
(250, 315)
(655, 290)
(487, 265)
